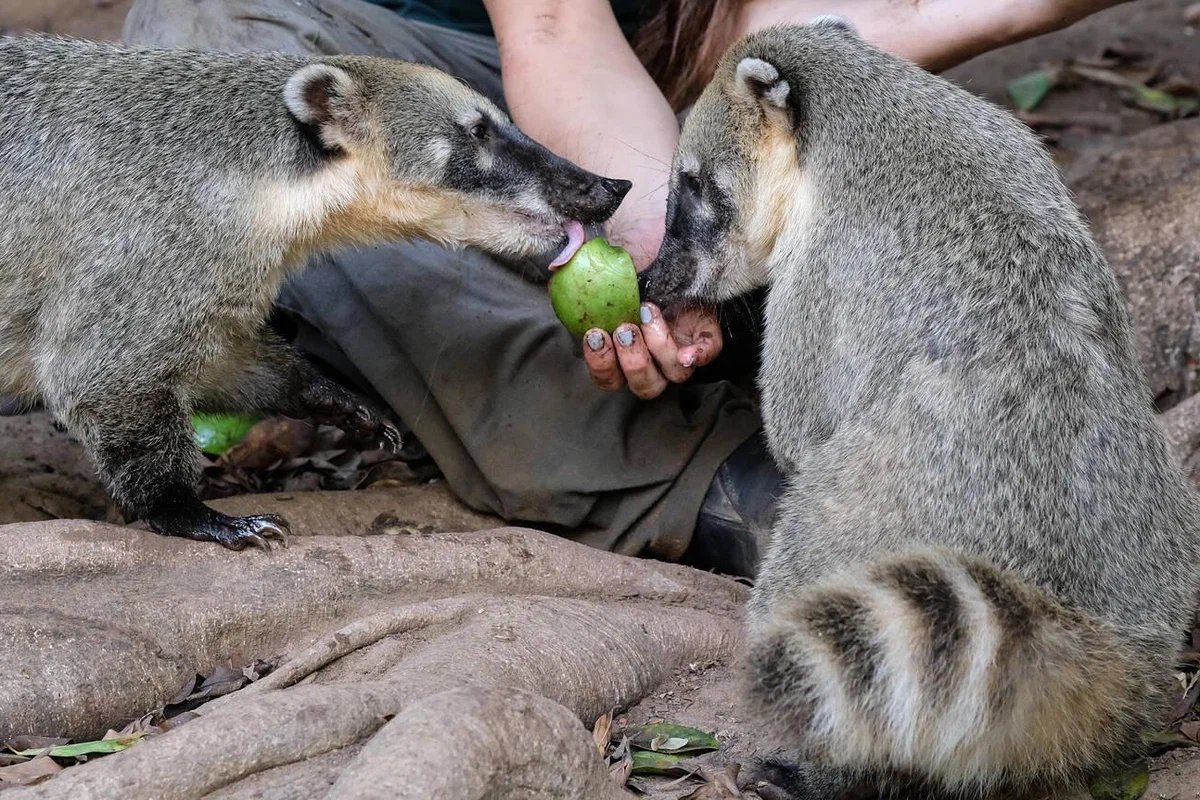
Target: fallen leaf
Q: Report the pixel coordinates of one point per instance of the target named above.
(717, 785)
(665, 735)
(668, 744)
(29, 772)
(648, 762)
(1177, 83)
(34, 742)
(1128, 785)
(1163, 102)
(99, 747)
(1029, 90)
(602, 732)
(621, 770)
(177, 720)
(1107, 77)
(1161, 741)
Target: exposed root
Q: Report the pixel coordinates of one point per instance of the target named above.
(480, 744)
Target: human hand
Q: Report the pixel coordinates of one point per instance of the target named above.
(650, 356)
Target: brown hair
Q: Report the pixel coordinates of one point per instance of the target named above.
(682, 43)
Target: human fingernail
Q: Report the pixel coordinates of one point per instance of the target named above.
(595, 341)
(625, 337)
(687, 359)
(647, 315)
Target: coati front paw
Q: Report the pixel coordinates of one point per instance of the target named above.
(234, 533)
(330, 404)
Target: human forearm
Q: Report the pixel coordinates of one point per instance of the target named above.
(937, 34)
(572, 82)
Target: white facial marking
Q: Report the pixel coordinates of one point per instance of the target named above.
(531, 202)
(439, 151)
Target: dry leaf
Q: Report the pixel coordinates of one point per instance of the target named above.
(34, 742)
(30, 772)
(602, 731)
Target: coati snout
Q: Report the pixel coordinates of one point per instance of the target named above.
(737, 179)
(486, 183)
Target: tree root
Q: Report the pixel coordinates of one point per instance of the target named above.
(480, 744)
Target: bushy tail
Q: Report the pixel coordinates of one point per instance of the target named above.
(951, 670)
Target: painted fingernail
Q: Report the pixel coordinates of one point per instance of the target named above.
(625, 337)
(595, 341)
(647, 315)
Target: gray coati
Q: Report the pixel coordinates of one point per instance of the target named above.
(985, 558)
(155, 200)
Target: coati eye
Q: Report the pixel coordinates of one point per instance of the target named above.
(692, 182)
(478, 131)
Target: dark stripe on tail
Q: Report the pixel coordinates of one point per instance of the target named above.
(928, 591)
(843, 623)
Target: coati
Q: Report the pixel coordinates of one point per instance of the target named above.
(157, 198)
(985, 558)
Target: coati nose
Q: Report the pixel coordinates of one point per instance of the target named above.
(616, 187)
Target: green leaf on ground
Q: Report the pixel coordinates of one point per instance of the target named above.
(101, 747)
(670, 738)
(1029, 90)
(1164, 102)
(1128, 785)
(648, 762)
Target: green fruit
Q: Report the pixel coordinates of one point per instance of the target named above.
(597, 288)
(217, 433)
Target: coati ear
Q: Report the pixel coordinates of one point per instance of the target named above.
(760, 82)
(325, 98)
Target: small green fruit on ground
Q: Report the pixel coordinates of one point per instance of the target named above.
(217, 433)
(597, 288)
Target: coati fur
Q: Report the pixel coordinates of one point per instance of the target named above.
(158, 198)
(985, 559)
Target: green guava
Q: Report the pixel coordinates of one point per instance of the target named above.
(597, 288)
(217, 433)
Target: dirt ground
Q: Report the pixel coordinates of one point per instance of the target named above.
(44, 478)
(89, 19)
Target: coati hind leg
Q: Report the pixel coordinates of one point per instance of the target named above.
(140, 440)
(273, 378)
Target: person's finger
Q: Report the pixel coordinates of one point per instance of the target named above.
(662, 344)
(601, 359)
(641, 373)
(706, 339)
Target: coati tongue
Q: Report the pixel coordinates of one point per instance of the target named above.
(575, 237)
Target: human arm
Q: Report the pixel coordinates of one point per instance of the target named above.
(573, 83)
(937, 34)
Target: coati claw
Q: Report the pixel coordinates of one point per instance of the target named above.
(330, 404)
(234, 533)
(390, 434)
(254, 540)
(237, 533)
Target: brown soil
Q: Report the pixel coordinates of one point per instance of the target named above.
(88, 19)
